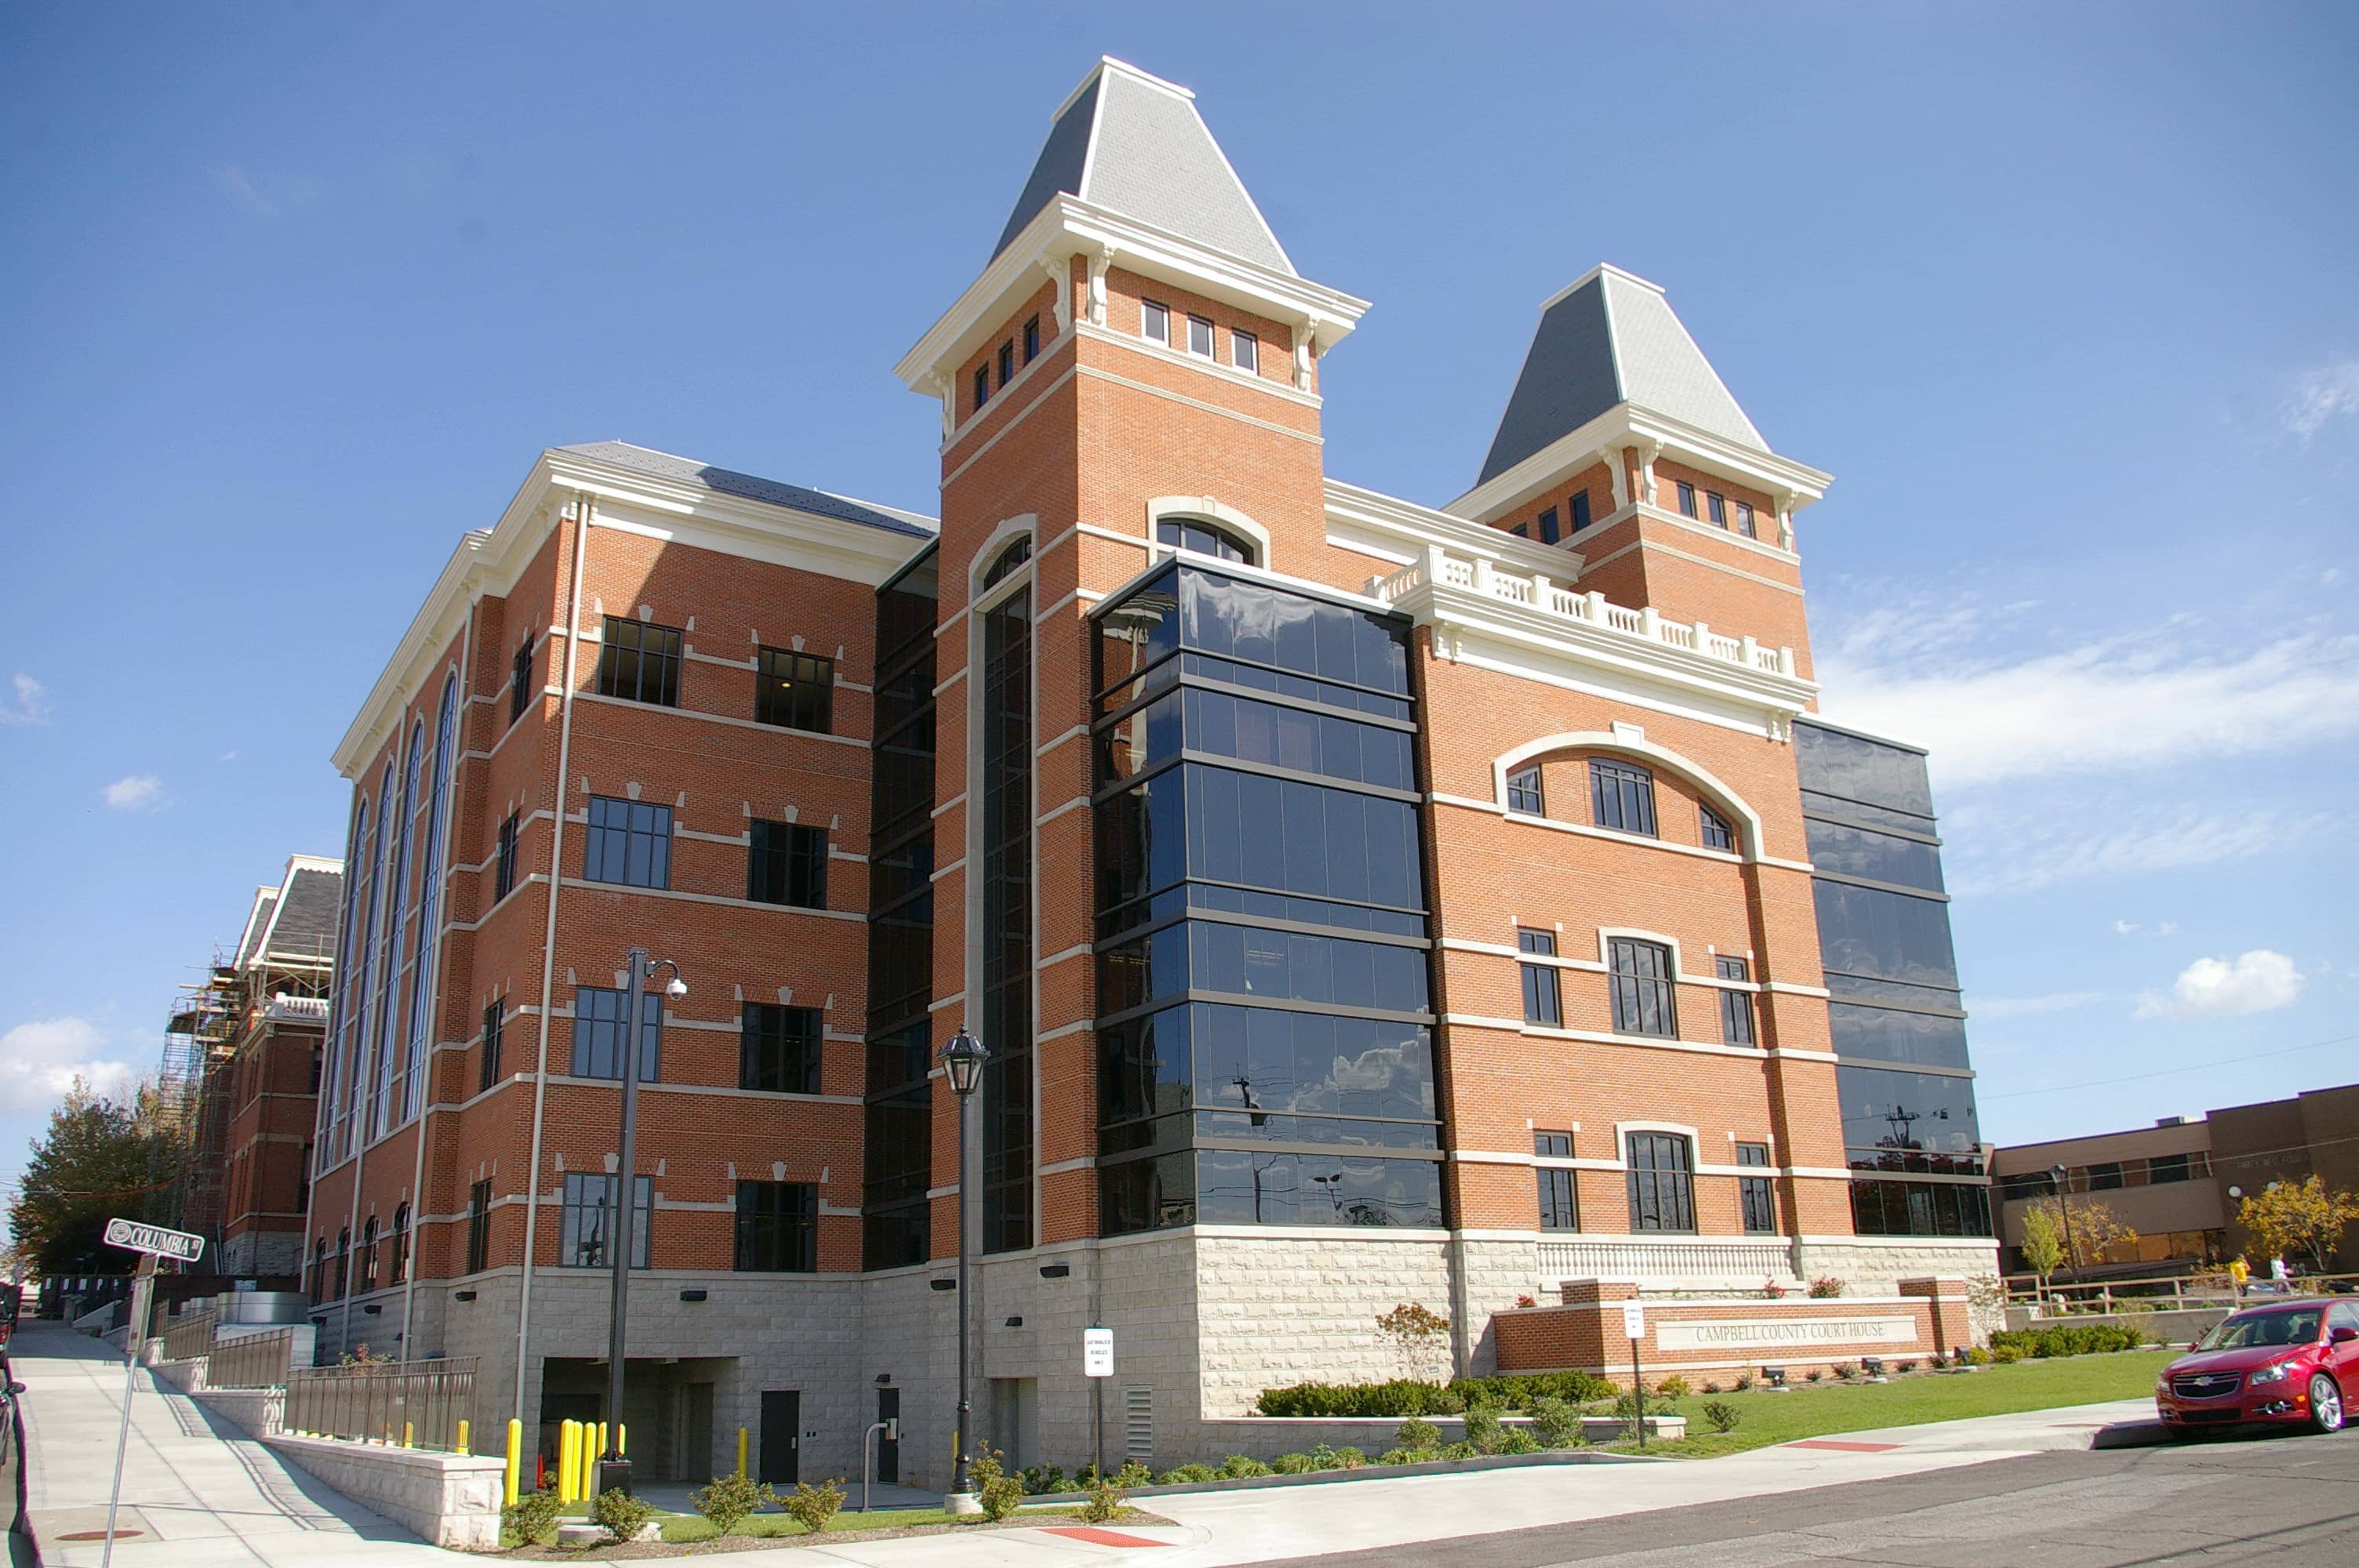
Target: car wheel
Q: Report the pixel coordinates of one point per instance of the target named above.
(2325, 1404)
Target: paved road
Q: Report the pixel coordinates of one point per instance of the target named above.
(2280, 1501)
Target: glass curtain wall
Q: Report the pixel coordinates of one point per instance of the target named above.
(1265, 1024)
(898, 1114)
(1910, 1132)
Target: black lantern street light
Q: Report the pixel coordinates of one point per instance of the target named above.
(963, 1061)
(613, 1469)
(2057, 1173)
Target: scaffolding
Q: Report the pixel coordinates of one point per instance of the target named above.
(200, 1038)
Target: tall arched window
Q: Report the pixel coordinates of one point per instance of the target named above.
(401, 838)
(423, 945)
(1204, 538)
(368, 1000)
(1015, 555)
(330, 1119)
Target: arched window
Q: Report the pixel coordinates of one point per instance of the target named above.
(366, 1273)
(343, 1256)
(328, 1114)
(400, 1270)
(424, 947)
(400, 838)
(319, 1270)
(1204, 538)
(367, 998)
(1017, 552)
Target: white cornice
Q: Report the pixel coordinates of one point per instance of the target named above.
(1069, 226)
(1630, 425)
(1369, 523)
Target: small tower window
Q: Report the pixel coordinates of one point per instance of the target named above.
(1032, 339)
(1579, 509)
(1717, 506)
(1687, 499)
(1200, 337)
(1244, 351)
(1745, 519)
(1008, 361)
(1204, 538)
(1154, 321)
(1549, 527)
(982, 386)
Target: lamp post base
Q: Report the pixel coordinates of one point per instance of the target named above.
(960, 1505)
(614, 1475)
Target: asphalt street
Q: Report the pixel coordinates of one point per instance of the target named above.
(2275, 1500)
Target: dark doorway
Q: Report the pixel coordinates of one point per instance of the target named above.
(888, 1449)
(782, 1422)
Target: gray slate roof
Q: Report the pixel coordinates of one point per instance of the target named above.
(1613, 340)
(1135, 145)
(750, 487)
(304, 926)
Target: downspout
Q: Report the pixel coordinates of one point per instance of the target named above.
(548, 943)
(446, 814)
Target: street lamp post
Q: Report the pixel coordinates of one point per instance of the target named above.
(613, 1469)
(2064, 1208)
(963, 1060)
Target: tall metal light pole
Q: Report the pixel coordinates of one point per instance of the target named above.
(963, 1060)
(2056, 1174)
(613, 1469)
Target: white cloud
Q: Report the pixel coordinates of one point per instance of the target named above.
(40, 1061)
(140, 792)
(2002, 850)
(2108, 704)
(31, 705)
(2322, 396)
(242, 190)
(2257, 981)
(2025, 1006)
(2136, 928)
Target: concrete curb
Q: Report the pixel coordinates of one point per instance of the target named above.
(1369, 1473)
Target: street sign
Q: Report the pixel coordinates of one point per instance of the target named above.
(1634, 1319)
(154, 1240)
(1097, 1353)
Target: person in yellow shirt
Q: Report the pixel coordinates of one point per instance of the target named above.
(2239, 1271)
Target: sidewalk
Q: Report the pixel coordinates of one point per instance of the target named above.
(200, 1496)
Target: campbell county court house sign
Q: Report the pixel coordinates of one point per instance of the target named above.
(1717, 1333)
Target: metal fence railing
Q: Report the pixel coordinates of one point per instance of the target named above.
(2211, 1288)
(191, 1335)
(257, 1361)
(419, 1402)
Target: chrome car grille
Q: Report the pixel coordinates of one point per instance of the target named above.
(2206, 1385)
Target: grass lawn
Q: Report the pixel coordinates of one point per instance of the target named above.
(1819, 1410)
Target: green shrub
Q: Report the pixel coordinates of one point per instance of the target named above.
(1625, 1405)
(1516, 1391)
(1673, 1388)
(1103, 1505)
(1518, 1440)
(1744, 1381)
(815, 1507)
(729, 1500)
(1812, 1376)
(1186, 1475)
(1846, 1370)
(2066, 1340)
(1415, 1434)
(1484, 1432)
(1344, 1459)
(1723, 1415)
(1041, 1480)
(1412, 1397)
(1293, 1465)
(1405, 1456)
(1132, 1475)
(533, 1517)
(1459, 1451)
(1977, 1356)
(1000, 1493)
(2005, 1355)
(1242, 1467)
(623, 1515)
(1555, 1423)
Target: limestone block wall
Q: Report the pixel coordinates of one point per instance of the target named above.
(1280, 1307)
(449, 1499)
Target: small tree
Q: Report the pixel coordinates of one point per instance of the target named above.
(2086, 1231)
(2043, 1241)
(2297, 1220)
(1413, 1329)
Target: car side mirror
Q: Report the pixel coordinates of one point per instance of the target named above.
(16, 1389)
(2343, 1334)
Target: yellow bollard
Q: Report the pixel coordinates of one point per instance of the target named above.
(463, 1435)
(622, 1440)
(514, 1473)
(408, 1435)
(568, 1449)
(741, 1451)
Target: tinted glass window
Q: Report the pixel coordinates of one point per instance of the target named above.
(1887, 1034)
(1735, 1007)
(1836, 763)
(1662, 1183)
(1524, 792)
(1886, 1207)
(1642, 988)
(597, 1034)
(1270, 626)
(586, 1223)
(1542, 1003)
(1879, 857)
(786, 863)
(1713, 830)
(1892, 935)
(1621, 796)
(778, 1048)
(639, 662)
(797, 690)
(1887, 1111)
(629, 841)
(777, 1228)
(1558, 1208)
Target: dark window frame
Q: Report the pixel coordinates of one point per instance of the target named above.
(588, 1193)
(504, 875)
(1542, 987)
(479, 1227)
(643, 656)
(794, 690)
(1557, 1187)
(1032, 339)
(1686, 494)
(1581, 518)
(1622, 797)
(1244, 351)
(982, 386)
(1212, 337)
(774, 1229)
(494, 1026)
(520, 679)
(1715, 508)
(1736, 1020)
(1662, 1182)
(786, 864)
(1525, 792)
(1550, 529)
(779, 1047)
(582, 1055)
(1644, 1003)
(1756, 1196)
(1174, 531)
(1148, 309)
(1714, 831)
(626, 843)
(1745, 522)
(1007, 362)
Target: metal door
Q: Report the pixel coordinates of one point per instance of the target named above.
(782, 1423)
(888, 1449)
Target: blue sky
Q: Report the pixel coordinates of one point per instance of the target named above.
(2065, 297)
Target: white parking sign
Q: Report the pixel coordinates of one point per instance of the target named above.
(1634, 1319)
(1097, 1353)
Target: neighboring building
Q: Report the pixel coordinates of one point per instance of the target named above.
(242, 1075)
(1362, 903)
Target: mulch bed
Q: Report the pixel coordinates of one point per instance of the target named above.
(639, 1549)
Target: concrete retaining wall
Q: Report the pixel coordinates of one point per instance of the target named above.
(449, 1499)
(2172, 1328)
(1266, 1437)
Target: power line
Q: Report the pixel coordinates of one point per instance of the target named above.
(2167, 1072)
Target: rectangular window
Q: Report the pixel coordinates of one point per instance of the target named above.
(503, 879)
(1007, 362)
(629, 842)
(1755, 1195)
(777, 1228)
(1714, 830)
(1662, 1183)
(1032, 339)
(786, 863)
(1642, 988)
(598, 1033)
(1687, 499)
(1244, 351)
(1521, 531)
(778, 1049)
(1745, 519)
(1622, 796)
(639, 662)
(1154, 321)
(490, 1072)
(1579, 509)
(982, 386)
(2164, 1168)
(1716, 507)
(588, 1220)
(1541, 1004)
(1560, 1207)
(1200, 337)
(2104, 1176)
(797, 690)
(520, 681)
(479, 1227)
(1551, 530)
(1524, 792)
(1735, 1007)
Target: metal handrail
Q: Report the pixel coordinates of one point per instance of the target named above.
(257, 1361)
(2210, 1288)
(417, 1403)
(189, 1337)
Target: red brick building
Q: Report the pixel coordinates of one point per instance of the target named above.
(1362, 901)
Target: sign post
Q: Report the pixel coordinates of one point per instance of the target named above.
(1634, 1324)
(1097, 1366)
(153, 1241)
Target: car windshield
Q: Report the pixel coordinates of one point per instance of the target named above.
(2248, 1329)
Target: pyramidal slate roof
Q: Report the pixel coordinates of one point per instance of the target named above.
(1611, 338)
(751, 487)
(1135, 144)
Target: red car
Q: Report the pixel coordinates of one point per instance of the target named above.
(2289, 1361)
